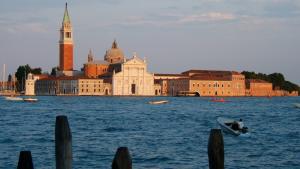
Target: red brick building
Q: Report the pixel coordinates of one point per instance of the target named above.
(94, 68)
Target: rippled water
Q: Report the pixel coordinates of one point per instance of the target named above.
(173, 135)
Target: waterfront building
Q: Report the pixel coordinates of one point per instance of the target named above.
(163, 79)
(208, 83)
(133, 79)
(93, 87)
(81, 86)
(30, 84)
(257, 87)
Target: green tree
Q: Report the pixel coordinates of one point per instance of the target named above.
(277, 79)
(22, 73)
(36, 71)
(54, 71)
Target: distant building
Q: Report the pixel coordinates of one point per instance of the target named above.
(162, 80)
(80, 86)
(208, 83)
(66, 46)
(257, 87)
(30, 83)
(115, 54)
(133, 79)
(95, 68)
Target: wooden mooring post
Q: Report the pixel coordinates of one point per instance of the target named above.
(122, 159)
(25, 160)
(216, 149)
(63, 143)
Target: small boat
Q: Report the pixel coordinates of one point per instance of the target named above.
(30, 100)
(231, 126)
(13, 98)
(159, 102)
(218, 100)
(297, 105)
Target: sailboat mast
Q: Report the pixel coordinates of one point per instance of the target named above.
(3, 77)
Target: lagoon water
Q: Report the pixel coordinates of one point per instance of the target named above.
(173, 135)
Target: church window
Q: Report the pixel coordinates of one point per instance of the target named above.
(68, 34)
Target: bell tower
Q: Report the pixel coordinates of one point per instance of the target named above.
(66, 44)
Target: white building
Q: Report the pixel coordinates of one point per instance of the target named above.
(30, 84)
(133, 79)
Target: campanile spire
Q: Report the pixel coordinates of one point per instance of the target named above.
(66, 43)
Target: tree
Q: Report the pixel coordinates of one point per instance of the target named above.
(277, 79)
(22, 73)
(36, 71)
(54, 71)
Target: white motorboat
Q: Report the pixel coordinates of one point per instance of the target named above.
(30, 100)
(159, 102)
(13, 98)
(297, 105)
(231, 126)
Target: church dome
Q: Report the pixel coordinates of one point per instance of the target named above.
(115, 54)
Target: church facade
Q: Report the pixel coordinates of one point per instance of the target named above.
(133, 79)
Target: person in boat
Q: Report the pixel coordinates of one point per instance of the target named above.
(241, 124)
(237, 125)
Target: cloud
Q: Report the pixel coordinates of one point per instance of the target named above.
(207, 17)
(171, 19)
(24, 28)
(16, 24)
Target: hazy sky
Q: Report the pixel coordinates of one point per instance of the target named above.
(174, 35)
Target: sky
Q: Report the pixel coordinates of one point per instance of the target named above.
(173, 35)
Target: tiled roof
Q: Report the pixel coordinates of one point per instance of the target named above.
(66, 78)
(161, 74)
(222, 72)
(256, 81)
(98, 62)
(211, 77)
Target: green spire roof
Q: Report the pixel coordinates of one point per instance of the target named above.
(66, 15)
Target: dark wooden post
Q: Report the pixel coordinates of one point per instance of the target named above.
(25, 160)
(216, 149)
(63, 143)
(122, 159)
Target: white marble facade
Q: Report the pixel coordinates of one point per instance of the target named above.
(133, 79)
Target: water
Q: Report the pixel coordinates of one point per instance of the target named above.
(168, 136)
